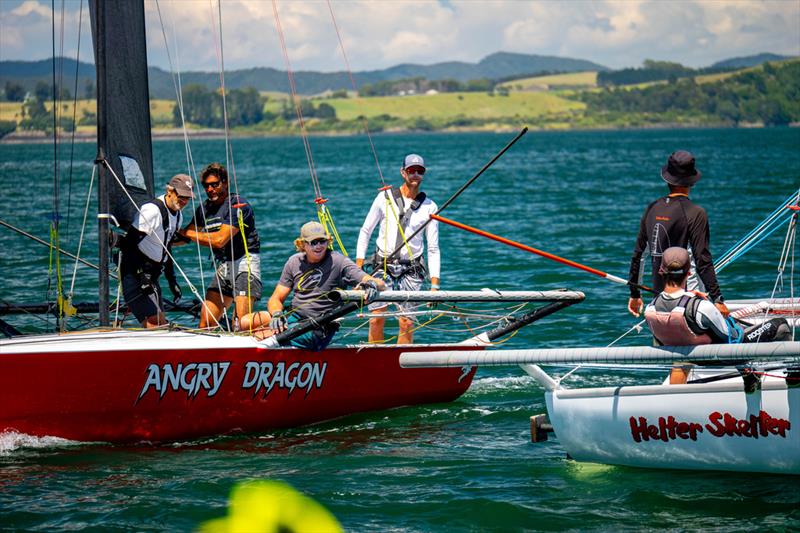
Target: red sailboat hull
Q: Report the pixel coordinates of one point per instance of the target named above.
(135, 386)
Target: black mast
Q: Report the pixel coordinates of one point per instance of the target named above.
(102, 175)
(124, 149)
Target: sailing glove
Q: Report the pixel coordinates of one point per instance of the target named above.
(176, 291)
(278, 322)
(370, 291)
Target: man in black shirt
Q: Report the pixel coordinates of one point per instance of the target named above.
(674, 220)
(226, 224)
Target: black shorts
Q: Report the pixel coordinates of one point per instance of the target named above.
(143, 298)
(239, 287)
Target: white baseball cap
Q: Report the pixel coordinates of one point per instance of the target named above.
(413, 160)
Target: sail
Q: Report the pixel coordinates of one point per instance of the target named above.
(123, 107)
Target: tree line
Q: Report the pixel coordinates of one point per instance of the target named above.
(770, 95)
(43, 91)
(652, 71)
(422, 85)
(244, 107)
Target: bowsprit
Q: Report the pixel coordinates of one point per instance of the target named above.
(190, 377)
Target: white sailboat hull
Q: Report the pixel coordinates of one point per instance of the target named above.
(714, 426)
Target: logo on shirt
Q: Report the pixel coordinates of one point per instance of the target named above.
(309, 280)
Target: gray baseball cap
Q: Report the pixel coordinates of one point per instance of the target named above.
(675, 260)
(182, 184)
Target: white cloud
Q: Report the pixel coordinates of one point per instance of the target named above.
(379, 34)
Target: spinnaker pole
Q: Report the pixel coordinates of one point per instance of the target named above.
(541, 253)
(45, 243)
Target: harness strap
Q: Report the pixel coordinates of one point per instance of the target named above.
(404, 216)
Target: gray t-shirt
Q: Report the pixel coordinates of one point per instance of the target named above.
(311, 282)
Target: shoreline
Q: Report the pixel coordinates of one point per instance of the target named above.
(39, 137)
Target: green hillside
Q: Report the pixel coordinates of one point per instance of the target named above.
(763, 95)
(447, 105)
(554, 82)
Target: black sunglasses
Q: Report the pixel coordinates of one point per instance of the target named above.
(212, 184)
(317, 242)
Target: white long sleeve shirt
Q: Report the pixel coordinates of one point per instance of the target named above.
(388, 234)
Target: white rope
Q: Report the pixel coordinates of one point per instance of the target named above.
(83, 228)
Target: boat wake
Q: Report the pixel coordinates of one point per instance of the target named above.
(12, 441)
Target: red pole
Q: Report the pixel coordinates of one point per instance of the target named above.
(532, 250)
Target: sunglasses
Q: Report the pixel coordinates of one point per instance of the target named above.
(419, 171)
(212, 184)
(318, 242)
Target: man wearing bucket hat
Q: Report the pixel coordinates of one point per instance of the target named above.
(312, 273)
(400, 212)
(143, 252)
(674, 220)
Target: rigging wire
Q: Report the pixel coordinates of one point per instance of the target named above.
(74, 118)
(55, 258)
(323, 212)
(355, 89)
(175, 72)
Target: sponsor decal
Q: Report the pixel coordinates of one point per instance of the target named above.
(197, 378)
(190, 378)
(266, 375)
(719, 425)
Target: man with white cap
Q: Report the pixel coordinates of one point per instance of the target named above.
(144, 252)
(674, 220)
(312, 273)
(400, 212)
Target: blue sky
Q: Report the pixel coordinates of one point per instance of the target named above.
(382, 33)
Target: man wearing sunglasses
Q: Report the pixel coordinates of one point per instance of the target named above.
(226, 223)
(312, 273)
(400, 212)
(143, 252)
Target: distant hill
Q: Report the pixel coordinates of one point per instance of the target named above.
(748, 61)
(495, 66)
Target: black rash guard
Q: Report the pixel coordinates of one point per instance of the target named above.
(674, 221)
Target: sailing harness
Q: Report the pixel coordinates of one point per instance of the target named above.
(132, 260)
(397, 267)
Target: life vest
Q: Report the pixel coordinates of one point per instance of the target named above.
(136, 261)
(672, 328)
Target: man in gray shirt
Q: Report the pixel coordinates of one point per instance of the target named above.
(312, 273)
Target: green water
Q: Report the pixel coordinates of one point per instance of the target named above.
(467, 465)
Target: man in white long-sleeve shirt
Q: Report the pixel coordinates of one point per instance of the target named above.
(399, 213)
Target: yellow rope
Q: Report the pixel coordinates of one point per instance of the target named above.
(242, 226)
(326, 219)
(390, 207)
(55, 256)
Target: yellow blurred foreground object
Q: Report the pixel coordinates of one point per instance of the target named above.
(267, 506)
